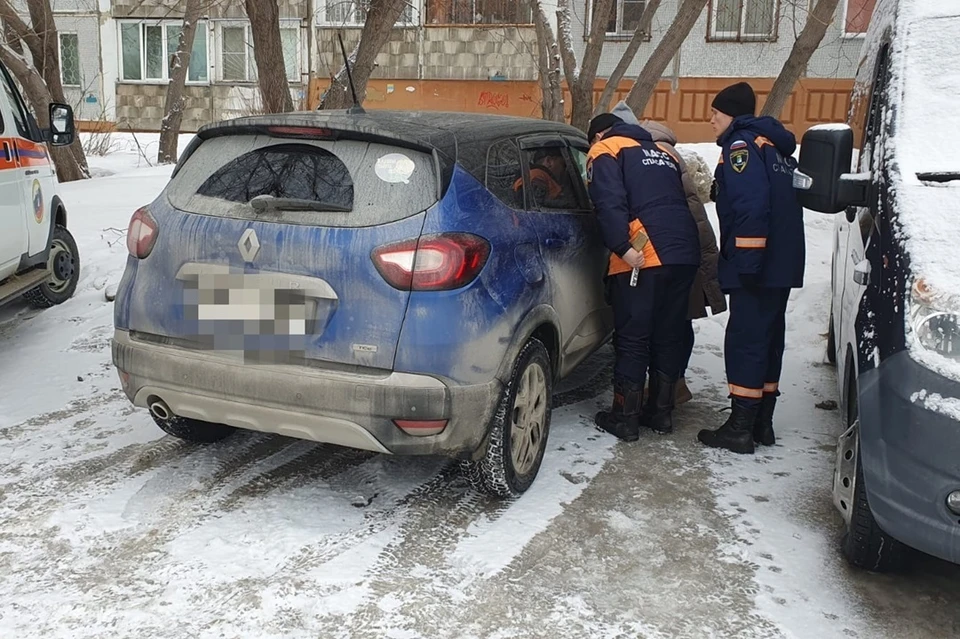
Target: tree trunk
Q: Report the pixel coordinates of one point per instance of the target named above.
(581, 91)
(549, 67)
(175, 103)
(809, 39)
(381, 16)
(264, 18)
(643, 89)
(613, 82)
(37, 94)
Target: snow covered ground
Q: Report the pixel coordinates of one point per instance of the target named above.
(109, 529)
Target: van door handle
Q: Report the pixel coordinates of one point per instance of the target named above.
(861, 273)
(33, 172)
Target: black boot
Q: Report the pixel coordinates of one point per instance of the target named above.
(736, 434)
(623, 420)
(660, 404)
(763, 427)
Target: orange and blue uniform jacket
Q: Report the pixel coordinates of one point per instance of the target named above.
(761, 221)
(635, 187)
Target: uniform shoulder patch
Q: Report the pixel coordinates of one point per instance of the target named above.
(739, 159)
(739, 144)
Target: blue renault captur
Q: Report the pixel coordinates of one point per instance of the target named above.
(410, 283)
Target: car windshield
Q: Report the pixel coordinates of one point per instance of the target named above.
(930, 119)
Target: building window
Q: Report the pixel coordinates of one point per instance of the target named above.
(70, 59)
(147, 50)
(856, 16)
(453, 12)
(744, 20)
(237, 61)
(624, 19)
(353, 13)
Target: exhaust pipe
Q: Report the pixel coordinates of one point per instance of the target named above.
(160, 410)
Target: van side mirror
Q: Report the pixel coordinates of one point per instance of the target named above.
(62, 127)
(823, 180)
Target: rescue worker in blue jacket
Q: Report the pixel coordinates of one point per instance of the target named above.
(762, 257)
(636, 190)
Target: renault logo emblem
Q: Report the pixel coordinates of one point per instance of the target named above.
(249, 245)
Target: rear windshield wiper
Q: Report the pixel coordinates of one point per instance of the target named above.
(939, 178)
(263, 203)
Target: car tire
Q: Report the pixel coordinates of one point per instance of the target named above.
(520, 428)
(864, 544)
(193, 430)
(64, 265)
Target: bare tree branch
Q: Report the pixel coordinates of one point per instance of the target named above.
(548, 58)
(652, 72)
(809, 39)
(613, 82)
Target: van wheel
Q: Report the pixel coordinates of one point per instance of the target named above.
(193, 430)
(64, 267)
(864, 544)
(521, 425)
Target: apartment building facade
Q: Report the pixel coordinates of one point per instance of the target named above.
(464, 55)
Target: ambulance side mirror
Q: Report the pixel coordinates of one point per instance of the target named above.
(62, 127)
(823, 181)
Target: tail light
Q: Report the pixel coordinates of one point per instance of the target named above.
(141, 234)
(432, 263)
(306, 132)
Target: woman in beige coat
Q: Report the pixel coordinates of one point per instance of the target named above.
(706, 288)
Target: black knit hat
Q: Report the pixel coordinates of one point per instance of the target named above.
(736, 100)
(601, 123)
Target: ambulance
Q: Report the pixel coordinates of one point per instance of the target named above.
(38, 256)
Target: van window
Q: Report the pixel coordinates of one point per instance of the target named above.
(377, 183)
(13, 99)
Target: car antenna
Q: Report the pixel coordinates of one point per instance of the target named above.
(356, 108)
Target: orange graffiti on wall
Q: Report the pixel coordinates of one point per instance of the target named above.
(492, 100)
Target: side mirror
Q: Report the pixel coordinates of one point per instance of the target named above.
(62, 127)
(823, 180)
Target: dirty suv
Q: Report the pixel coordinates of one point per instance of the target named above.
(407, 283)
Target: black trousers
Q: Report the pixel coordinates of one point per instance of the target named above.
(650, 321)
(754, 343)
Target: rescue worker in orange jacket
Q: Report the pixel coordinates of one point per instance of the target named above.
(636, 189)
(549, 181)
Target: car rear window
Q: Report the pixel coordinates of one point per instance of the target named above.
(362, 183)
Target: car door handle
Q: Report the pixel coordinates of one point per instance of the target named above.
(32, 172)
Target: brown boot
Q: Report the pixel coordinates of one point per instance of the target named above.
(683, 394)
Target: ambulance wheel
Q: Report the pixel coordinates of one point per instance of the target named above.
(864, 544)
(64, 267)
(521, 425)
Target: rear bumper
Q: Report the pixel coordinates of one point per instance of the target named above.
(339, 407)
(910, 456)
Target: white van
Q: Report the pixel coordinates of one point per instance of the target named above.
(895, 318)
(38, 256)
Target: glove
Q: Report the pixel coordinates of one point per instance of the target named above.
(713, 191)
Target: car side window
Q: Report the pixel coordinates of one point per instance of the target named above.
(873, 122)
(505, 174)
(13, 99)
(551, 179)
